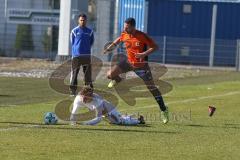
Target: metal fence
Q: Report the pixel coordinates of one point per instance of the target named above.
(40, 45)
(172, 50)
(194, 51)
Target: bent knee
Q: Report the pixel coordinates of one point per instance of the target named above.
(109, 75)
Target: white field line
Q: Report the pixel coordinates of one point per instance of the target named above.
(8, 105)
(186, 100)
(18, 127)
(8, 129)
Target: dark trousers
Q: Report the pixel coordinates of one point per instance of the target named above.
(77, 62)
(145, 74)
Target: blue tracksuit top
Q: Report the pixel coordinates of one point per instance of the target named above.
(82, 39)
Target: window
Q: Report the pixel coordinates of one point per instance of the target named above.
(187, 8)
(185, 51)
(54, 4)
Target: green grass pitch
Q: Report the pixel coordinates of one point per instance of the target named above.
(190, 135)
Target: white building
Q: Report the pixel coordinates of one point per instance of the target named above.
(43, 18)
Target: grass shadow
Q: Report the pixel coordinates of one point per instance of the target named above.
(27, 123)
(6, 96)
(127, 129)
(233, 126)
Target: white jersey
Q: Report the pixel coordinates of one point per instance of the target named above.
(102, 107)
(98, 104)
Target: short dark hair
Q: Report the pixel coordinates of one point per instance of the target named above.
(86, 91)
(131, 21)
(82, 15)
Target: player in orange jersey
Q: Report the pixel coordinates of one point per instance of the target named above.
(138, 46)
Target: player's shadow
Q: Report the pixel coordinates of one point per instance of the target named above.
(232, 126)
(6, 95)
(27, 123)
(126, 129)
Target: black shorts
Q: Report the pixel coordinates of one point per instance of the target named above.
(144, 72)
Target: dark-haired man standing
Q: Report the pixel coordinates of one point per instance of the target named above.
(82, 39)
(138, 46)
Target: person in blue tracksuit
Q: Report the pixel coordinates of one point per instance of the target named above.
(82, 39)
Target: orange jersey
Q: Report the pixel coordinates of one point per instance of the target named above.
(136, 44)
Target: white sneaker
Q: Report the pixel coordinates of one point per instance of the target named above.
(165, 116)
(112, 83)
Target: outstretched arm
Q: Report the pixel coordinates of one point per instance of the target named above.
(110, 47)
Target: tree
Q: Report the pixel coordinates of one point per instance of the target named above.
(24, 41)
(47, 41)
(50, 39)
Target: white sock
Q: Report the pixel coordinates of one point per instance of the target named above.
(128, 120)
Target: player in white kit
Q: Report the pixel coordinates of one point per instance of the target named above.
(103, 108)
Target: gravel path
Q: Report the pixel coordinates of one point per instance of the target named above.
(38, 68)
